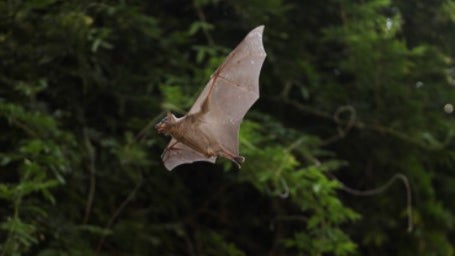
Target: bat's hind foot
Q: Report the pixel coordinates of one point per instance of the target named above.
(238, 160)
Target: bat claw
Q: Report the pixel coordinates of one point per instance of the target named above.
(238, 160)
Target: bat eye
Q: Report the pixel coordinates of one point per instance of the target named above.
(163, 121)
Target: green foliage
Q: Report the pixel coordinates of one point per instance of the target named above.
(39, 159)
(352, 92)
(214, 244)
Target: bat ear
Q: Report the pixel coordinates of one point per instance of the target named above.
(170, 117)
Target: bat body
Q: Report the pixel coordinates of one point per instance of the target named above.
(211, 127)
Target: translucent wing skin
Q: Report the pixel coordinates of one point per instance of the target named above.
(232, 90)
(180, 153)
(229, 94)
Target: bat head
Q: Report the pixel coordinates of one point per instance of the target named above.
(164, 126)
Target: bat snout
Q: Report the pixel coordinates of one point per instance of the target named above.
(161, 127)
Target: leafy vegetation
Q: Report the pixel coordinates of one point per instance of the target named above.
(352, 94)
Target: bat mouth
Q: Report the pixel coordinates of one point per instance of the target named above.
(161, 128)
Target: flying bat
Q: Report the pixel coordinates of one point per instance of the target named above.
(211, 128)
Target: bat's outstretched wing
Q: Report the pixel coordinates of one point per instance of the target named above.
(178, 153)
(231, 91)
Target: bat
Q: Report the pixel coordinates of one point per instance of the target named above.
(211, 128)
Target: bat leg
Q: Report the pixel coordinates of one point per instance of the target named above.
(166, 150)
(238, 160)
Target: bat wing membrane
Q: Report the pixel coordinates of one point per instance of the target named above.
(232, 90)
(178, 153)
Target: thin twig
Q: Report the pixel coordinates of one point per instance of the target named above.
(201, 16)
(143, 133)
(286, 89)
(355, 124)
(117, 213)
(343, 126)
(285, 193)
(189, 244)
(91, 166)
(25, 128)
(379, 190)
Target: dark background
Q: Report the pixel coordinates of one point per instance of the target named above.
(354, 94)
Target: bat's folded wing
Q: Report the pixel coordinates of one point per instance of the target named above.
(178, 153)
